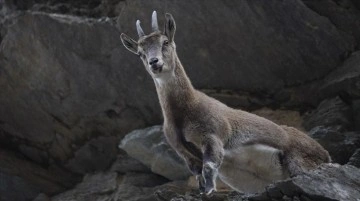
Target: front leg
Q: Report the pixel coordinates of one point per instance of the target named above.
(213, 154)
(195, 166)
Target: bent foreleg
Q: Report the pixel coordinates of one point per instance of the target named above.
(213, 154)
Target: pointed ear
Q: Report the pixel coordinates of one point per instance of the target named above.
(170, 26)
(129, 43)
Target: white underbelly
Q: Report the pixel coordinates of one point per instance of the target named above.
(251, 168)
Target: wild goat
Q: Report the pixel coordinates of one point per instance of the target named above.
(246, 151)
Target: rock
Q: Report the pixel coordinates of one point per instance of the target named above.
(133, 193)
(281, 117)
(125, 163)
(149, 146)
(97, 154)
(66, 80)
(67, 84)
(42, 197)
(343, 14)
(93, 187)
(268, 25)
(329, 182)
(143, 179)
(106, 186)
(20, 179)
(333, 113)
(93, 8)
(340, 145)
(344, 79)
(220, 186)
(355, 159)
(356, 113)
(67, 93)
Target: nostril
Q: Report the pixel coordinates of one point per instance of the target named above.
(153, 61)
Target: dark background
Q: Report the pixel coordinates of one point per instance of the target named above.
(69, 90)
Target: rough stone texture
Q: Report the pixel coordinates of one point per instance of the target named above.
(355, 159)
(125, 163)
(111, 186)
(93, 187)
(342, 13)
(356, 113)
(42, 197)
(68, 86)
(59, 90)
(343, 80)
(149, 146)
(296, 45)
(329, 182)
(21, 179)
(143, 179)
(97, 154)
(67, 79)
(92, 8)
(340, 145)
(334, 113)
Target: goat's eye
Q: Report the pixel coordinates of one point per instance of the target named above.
(166, 42)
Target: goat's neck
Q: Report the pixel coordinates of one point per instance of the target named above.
(176, 94)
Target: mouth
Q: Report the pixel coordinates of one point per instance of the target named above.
(157, 68)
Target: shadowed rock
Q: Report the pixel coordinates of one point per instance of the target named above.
(149, 146)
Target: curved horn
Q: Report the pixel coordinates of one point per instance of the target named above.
(154, 22)
(139, 29)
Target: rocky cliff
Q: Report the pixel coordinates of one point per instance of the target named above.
(70, 92)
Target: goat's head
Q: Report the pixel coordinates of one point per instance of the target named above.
(157, 49)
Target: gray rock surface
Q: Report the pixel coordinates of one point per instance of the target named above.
(344, 79)
(20, 179)
(149, 146)
(340, 145)
(115, 187)
(355, 159)
(69, 90)
(272, 46)
(125, 163)
(356, 113)
(334, 113)
(343, 14)
(67, 79)
(143, 179)
(93, 187)
(42, 197)
(329, 182)
(62, 87)
(96, 154)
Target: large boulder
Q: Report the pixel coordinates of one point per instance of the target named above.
(355, 159)
(21, 179)
(328, 182)
(64, 83)
(344, 80)
(265, 45)
(334, 113)
(342, 13)
(68, 86)
(149, 146)
(66, 79)
(340, 145)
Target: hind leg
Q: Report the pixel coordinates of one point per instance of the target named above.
(251, 168)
